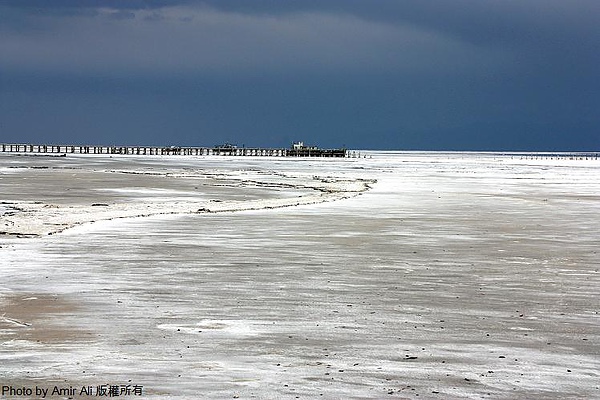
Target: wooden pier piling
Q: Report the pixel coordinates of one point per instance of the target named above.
(171, 150)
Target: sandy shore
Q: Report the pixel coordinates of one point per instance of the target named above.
(454, 276)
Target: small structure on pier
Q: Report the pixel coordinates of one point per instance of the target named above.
(299, 149)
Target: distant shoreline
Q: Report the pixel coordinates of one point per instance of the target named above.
(61, 150)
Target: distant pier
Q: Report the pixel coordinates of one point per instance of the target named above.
(556, 156)
(175, 150)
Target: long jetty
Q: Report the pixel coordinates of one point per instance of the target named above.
(173, 150)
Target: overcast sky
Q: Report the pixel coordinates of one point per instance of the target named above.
(367, 74)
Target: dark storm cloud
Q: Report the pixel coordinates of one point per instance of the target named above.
(472, 20)
(188, 40)
(539, 29)
(417, 34)
(380, 73)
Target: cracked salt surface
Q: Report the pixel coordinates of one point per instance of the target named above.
(397, 292)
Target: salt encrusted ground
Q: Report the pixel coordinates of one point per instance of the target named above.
(54, 195)
(455, 276)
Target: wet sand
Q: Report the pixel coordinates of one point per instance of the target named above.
(29, 316)
(454, 276)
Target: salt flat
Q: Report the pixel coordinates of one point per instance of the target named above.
(399, 275)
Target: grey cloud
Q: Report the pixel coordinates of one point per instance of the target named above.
(118, 15)
(87, 4)
(188, 40)
(474, 20)
(532, 25)
(528, 37)
(399, 73)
